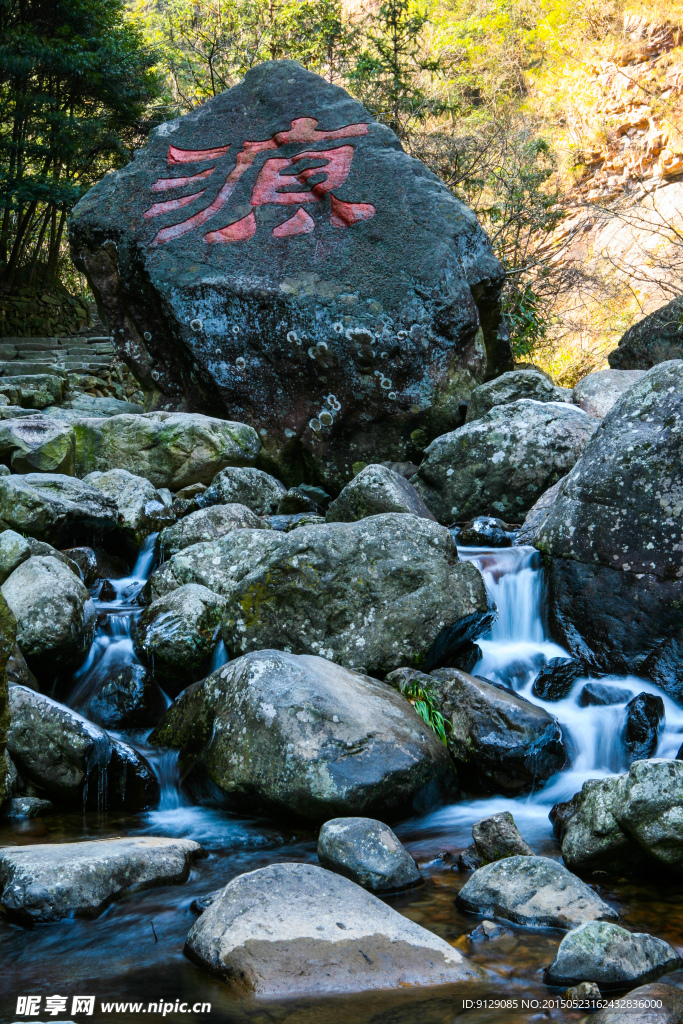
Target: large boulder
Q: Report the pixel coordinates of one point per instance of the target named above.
(206, 524)
(613, 957)
(373, 595)
(301, 735)
(368, 852)
(599, 391)
(168, 449)
(7, 637)
(259, 491)
(374, 490)
(655, 339)
(534, 891)
(37, 445)
(289, 929)
(73, 761)
(613, 539)
(359, 314)
(502, 463)
(55, 615)
(510, 387)
(141, 510)
(177, 635)
(644, 715)
(41, 883)
(55, 508)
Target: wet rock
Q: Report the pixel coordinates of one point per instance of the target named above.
(556, 679)
(199, 905)
(466, 657)
(48, 882)
(177, 635)
(560, 814)
(649, 997)
(644, 716)
(584, 992)
(655, 339)
(72, 760)
(295, 500)
(207, 524)
(533, 891)
(37, 445)
(121, 695)
(301, 735)
(486, 531)
(368, 852)
(610, 956)
(259, 491)
(140, 508)
(40, 549)
(56, 508)
(374, 490)
(510, 387)
(96, 564)
(497, 837)
(490, 931)
(271, 929)
(503, 462)
(602, 695)
(55, 616)
(22, 807)
(373, 595)
(536, 515)
(8, 630)
(326, 366)
(500, 741)
(599, 391)
(613, 539)
(14, 549)
(34, 391)
(18, 672)
(170, 449)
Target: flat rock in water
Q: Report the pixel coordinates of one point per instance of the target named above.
(611, 956)
(57, 880)
(290, 299)
(290, 929)
(368, 852)
(532, 891)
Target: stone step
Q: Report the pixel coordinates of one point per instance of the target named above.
(80, 366)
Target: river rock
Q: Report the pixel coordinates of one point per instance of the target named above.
(7, 642)
(25, 807)
(368, 852)
(504, 461)
(55, 508)
(599, 391)
(14, 549)
(611, 956)
(374, 490)
(556, 679)
(119, 694)
(373, 595)
(37, 445)
(259, 491)
(657, 1003)
(96, 565)
(301, 735)
(655, 339)
(644, 716)
(486, 531)
(510, 387)
(177, 635)
(307, 322)
(500, 741)
(207, 524)
(497, 837)
(47, 882)
(141, 510)
(170, 449)
(603, 695)
(55, 615)
(532, 891)
(613, 538)
(72, 760)
(271, 930)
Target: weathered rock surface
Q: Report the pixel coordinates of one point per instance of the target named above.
(34, 391)
(486, 531)
(374, 490)
(302, 735)
(655, 339)
(497, 837)
(599, 391)
(537, 514)
(510, 387)
(168, 449)
(373, 595)
(48, 882)
(56, 508)
(72, 760)
(14, 549)
(259, 491)
(614, 539)
(141, 510)
(7, 643)
(644, 716)
(533, 891)
(55, 615)
(368, 852)
(271, 930)
(659, 1002)
(611, 956)
(556, 679)
(338, 317)
(207, 524)
(37, 445)
(177, 635)
(503, 462)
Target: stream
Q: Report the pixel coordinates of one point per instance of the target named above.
(134, 950)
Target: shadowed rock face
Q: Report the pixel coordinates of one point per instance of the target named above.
(655, 339)
(275, 255)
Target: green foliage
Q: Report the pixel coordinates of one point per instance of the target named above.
(426, 703)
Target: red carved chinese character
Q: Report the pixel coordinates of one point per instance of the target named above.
(327, 169)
